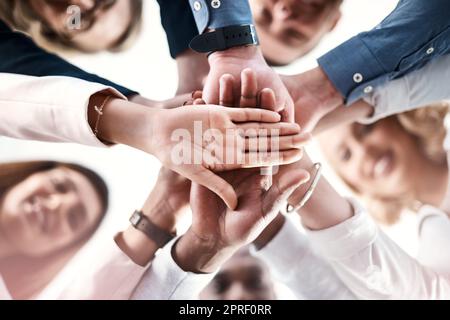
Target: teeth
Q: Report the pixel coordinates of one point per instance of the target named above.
(381, 166)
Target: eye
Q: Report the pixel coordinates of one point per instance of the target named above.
(60, 186)
(362, 131)
(254, 284)
(221, 285)
(345, 155)
(266, 15)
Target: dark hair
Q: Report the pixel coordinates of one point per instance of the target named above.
(13, 173)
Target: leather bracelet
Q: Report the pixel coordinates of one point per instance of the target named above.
(140, 222)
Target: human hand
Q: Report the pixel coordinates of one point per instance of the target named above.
(314, 96)
(233, 62)
(217, 232)
(196, 158)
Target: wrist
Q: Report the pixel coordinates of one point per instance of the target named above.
(238, 53)
(197, 255)
(127, 123)
(270, 232)
(159, 211)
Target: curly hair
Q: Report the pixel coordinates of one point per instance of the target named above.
(427, 126)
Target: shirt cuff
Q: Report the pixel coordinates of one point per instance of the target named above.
(346, 239)
(352, 67)
(165, 280)
(218, 14)
(275, 255)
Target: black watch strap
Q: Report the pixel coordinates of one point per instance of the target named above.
(153, 232)
(225, 38)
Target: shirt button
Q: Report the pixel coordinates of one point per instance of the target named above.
(197, 5)
(358, 78)
(216, 4)
(368, 89)
(430, 50)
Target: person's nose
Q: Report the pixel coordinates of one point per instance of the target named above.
(84, 5)
(238, 292)
(282, 11)
(53, 202)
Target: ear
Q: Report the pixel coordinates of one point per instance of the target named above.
(336, 20)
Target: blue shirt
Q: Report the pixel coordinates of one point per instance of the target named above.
(416, 32)
(213, 14)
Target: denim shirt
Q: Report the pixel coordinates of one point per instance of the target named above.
(213, 14)
(416, 32)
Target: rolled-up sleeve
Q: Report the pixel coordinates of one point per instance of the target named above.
(372, 265)
(415, 33)
(52, 109)
(215, 14)
(416, 89)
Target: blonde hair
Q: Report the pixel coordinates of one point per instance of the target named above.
(426, 125)
(19, 15)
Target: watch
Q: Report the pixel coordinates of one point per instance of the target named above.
(224, 38)
(139, 221)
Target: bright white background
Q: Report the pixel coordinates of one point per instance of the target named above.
(149, 69)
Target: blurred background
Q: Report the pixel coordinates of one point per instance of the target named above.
(148, 68)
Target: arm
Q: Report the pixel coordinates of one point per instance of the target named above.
(412, 29)
(290, 257)
(20, 55)
(114, 269)
(370, 264)
(365, 62)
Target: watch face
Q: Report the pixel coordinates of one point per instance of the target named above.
(135, 218)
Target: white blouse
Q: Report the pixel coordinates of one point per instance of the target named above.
(4, 293)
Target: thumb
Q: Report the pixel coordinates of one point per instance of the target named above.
(282, 188)
(216, 184)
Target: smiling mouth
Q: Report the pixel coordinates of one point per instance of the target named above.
(384, 165)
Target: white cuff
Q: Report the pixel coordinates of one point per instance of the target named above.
(346, 239)
(284, 251)
(165, 280)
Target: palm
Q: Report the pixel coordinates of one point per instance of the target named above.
(213, 218)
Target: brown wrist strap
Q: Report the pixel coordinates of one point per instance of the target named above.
(161, 237)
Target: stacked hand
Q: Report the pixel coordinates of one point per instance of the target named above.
(217, 231)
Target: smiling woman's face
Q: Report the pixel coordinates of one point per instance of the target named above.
(48, 211)
(102, 23)
(380, 160)
(288, 29)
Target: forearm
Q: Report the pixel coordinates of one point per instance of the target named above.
(366, 61)
(293, 262)
(372, 265)
(134, 243)
(20, 55)
(318, 214)
(123, 122)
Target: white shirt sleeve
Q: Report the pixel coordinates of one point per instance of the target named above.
(434, 235)
(417, 89)
(52, 109)
(292, 262)
(4, 293)
(105, 274)
(372, 265)
(165, 280)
